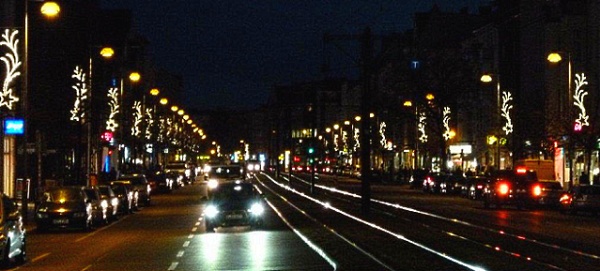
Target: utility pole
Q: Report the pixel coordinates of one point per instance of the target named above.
(366, 65)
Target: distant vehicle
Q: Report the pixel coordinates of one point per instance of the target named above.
(140, 185)
(581, 197)
(234, 204)
(432, 183)
(548, 193)
(182, 170)
(452, 184)
(64, 207)
(219, 174)
(12, 246)
(161, 182)
(473, 188)
(253, 167)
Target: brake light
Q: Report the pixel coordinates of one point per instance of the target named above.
(565, 199)
(537, 190)
(503, 188)
(521, 170)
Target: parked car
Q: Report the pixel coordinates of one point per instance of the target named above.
(98, 204)
(583, 197)
(234, 204)
(140, 185)
(432, 182)
(64, 207)
(161, 182)
(12, 245)
(452, 184)
(127, 197)
(107, 194)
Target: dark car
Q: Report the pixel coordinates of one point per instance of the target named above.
(140, 185)
(12, 246)
(219, 174)
(581, 197)
(64, 207)
(107, 194)
(519, 188)
(127, 197)
(474, 185)
(98, 204)
(161, 182)
(433, 182)
(548, 193)
(234, 204)
(452, 184)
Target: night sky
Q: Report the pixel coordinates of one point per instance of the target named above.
(231, 52)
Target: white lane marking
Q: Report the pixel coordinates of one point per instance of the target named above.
(186, 243)
(40, 257)
(197, 223)
(194, 229)
(173, 266)
(180, 253)
(190, 236)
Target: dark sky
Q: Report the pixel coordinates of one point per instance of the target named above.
(231, 52)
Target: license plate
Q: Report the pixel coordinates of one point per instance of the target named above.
(61, 221)
(235, 216)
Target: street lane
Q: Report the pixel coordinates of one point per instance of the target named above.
(169, 235)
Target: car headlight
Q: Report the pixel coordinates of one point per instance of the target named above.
(212, 183)
(257, 209)
(43, 209)
(211, 211)
(114, 201)
(104, 204)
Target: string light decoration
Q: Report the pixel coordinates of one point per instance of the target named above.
(421, 127)
(113, 104)
(447, 133)
(383, 140)
(149, 122)
(506, 107)
(336, 146)
(580, 93)
(81, 94)
(356, 139)
(12, 62)
(137, 119)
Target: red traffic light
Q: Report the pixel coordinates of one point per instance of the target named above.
(577, 127)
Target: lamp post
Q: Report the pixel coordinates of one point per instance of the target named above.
(487, 78)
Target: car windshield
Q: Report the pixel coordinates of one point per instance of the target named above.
(227, 172)
(234, 192)
(63, 195)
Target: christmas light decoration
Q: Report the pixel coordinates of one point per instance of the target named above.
(12, 63)
(356, 139)
(446, 120)
(383, 140)
(506, 107)
(137, 119)
(149, 122)
(421, 127)
(113, 104)
(81, 94)
(580, 81)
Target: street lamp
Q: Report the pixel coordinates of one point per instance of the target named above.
(487, 78)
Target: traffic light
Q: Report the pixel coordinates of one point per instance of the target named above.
(311, 150)
(577, 127)
(107, 136)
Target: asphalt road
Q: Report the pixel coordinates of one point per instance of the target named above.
(170, 235)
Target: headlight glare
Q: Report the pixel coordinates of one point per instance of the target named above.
(257, 209)
(211, 211)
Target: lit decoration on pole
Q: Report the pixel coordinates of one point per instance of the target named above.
(506, 107)
(421, 127)
(113, 104)
(149, 122)
(137, 119)
(446, 119)
(383, 140)
(336, 146)
(81, 94)
(579, 96)
(13, 63)
(356, 139)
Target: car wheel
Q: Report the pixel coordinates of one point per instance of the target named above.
(22, 257)
(5, 253)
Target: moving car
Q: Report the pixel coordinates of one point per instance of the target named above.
(519, 188)
(234, 204)
(64, 207)
(473, 188)
(13, 233)
(548, 193)
(581, 197)
(139, 185)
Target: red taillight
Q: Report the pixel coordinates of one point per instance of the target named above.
(565, 199)
(536, 190)
(479, 186)
(503, 188)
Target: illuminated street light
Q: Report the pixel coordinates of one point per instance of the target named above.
(134, 77)
(107, 52)
(50, 9)
(154, 92)
(164, 101)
